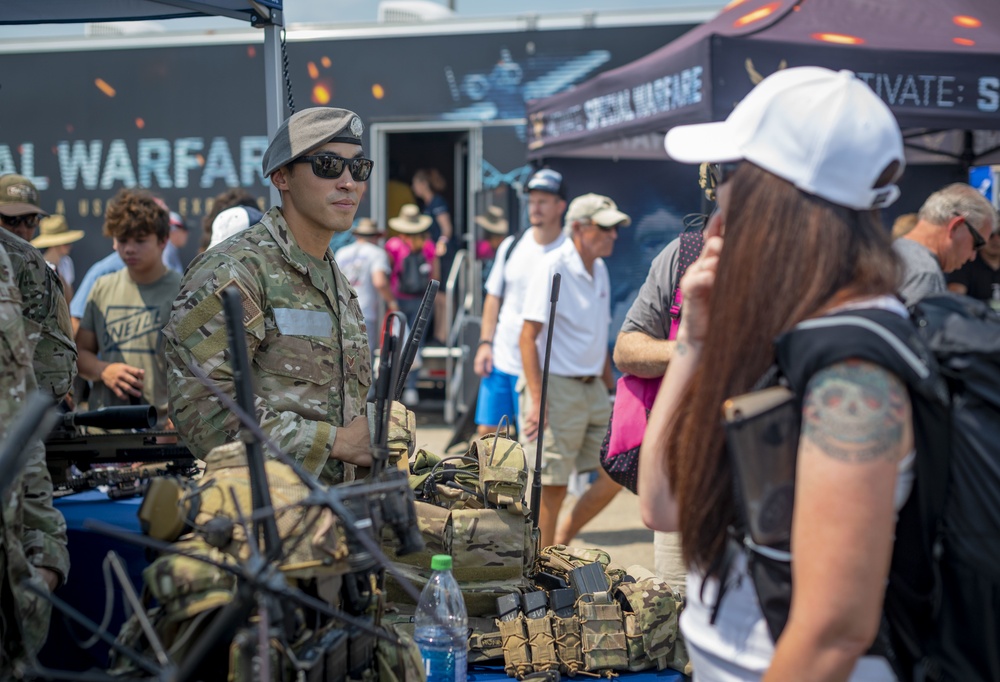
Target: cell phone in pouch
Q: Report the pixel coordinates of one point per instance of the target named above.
(762, 435)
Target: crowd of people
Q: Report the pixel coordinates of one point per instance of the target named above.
(799, 173)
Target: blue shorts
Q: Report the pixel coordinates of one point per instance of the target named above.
(497, 397)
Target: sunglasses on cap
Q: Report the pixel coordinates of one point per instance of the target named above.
(977, 239)
(722, 172)
(331, 166)
(30, 220)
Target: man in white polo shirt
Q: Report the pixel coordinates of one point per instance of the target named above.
(580, 366)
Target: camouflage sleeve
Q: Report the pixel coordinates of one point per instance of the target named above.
(47, 323)
(196, 335)
(44, 535)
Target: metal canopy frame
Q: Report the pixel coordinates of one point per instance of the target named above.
(266, 15)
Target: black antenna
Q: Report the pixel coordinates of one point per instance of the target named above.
(260, 493)
(536, 483)
(417, 329)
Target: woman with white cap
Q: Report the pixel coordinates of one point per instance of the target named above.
(803, 164)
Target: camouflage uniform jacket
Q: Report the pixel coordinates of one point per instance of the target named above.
(46, 316)
(32, 531)
(307, 344)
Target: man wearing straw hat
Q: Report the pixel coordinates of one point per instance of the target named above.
(366, 264)
(304, 329)
(55, 241)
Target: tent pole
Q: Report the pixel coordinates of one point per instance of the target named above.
(275, 99)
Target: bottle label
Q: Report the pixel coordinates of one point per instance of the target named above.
(442, 664)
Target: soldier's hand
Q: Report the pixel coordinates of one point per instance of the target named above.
(353, 443)
(484, 360)
(123, 380)
(50, 577)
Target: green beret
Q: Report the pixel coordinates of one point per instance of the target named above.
(308, 129)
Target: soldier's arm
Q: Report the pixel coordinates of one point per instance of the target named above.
(55, 355)
(44, 530)
(196, 335)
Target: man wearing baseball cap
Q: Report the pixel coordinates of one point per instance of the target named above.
(498, 358)
(19, 206)
(578, 408)
(304, 329)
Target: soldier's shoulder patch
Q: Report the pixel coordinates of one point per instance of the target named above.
(252, 313)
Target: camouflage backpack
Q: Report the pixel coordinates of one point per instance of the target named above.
(471, 507)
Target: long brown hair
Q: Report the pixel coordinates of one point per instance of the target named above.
(787, 256)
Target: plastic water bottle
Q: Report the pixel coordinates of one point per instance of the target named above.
(442, 625)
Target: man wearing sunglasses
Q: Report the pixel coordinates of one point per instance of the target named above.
(305, 332)
(952, 226)
(577, 400)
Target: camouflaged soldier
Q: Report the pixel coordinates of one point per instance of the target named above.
(46, 315)
(32, 531)
(304, 328)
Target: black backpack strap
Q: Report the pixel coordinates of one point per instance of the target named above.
(690, 248)
(506, 255)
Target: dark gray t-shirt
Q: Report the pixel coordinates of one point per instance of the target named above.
(650, 312)
(922, 274)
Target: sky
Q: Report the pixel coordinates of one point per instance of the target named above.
(366, 11)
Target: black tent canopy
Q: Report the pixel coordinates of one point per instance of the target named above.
(936, 64)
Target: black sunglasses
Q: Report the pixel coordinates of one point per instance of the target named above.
(977, 239)
(723, 172)
(30, 220)
(331, 166)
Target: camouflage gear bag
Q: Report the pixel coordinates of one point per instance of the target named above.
(472, 508)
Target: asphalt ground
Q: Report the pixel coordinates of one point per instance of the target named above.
(617, 529)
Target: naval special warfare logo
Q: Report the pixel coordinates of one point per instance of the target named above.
(356, 127)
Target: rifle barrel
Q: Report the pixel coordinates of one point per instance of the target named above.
(536, 483)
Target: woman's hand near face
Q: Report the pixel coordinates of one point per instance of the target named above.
(697, 284)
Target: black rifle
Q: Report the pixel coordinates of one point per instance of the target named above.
(536, 483)
(68, 445)
(417, 329)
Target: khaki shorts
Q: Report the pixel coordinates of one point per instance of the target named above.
(578, 420)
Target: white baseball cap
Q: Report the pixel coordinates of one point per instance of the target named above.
(824, 131)
(233, 221)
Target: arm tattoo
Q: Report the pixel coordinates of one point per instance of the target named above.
(856, 412)
(681, 348)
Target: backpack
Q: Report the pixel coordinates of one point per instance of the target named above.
(634, 396)
(414, 274)
(942, 605)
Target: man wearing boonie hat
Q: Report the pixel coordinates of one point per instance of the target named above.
(578, 409)
(305, 332)
(498, 358)
(366, 264)
(55, 241)
(20, 211)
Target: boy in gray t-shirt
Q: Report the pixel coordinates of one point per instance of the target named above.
(119, 339)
